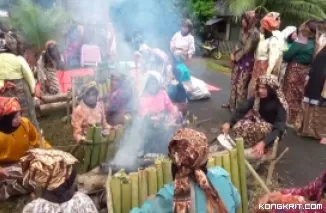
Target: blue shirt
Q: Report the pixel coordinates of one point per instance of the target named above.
(219, 178)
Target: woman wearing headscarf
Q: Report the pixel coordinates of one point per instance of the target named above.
(312, 193)
(47, 66)
(243, 61)
(299, 58)
(262, 118)
(312, 121)
(16, 77)
(268, 56)
(17, 135)
(54, 171)
(183, 43)
(89, 111)
(121, 99)
(195, 188)
(290, 35)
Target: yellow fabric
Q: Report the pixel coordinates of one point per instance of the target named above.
(13, 68)
(13, 146)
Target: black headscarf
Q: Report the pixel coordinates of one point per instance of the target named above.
(6, 123)
(64, 192)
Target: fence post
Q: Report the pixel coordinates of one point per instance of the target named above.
(243, 177)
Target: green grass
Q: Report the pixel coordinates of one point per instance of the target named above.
(217, 66)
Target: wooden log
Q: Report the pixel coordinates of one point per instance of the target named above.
(243, 176)
(54, 98)
(97, 139)
(52, 107)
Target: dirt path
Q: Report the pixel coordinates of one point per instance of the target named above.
(306, 158)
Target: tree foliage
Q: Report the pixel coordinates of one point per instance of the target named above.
(292, 11)
(37, 25)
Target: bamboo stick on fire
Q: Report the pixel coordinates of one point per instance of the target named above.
(143, 188)
(88, 148)
(126, 200)
(167, 173)
(159, 170)
(134, 189)
(152, 180)
(115, 187)
(226, 162)
(210, 162)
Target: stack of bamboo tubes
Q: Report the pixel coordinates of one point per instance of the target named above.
(130, 191)
(99, 148)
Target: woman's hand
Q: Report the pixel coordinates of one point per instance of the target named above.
(151, 197)
(259, 148)
(268, 197)
(226, 128)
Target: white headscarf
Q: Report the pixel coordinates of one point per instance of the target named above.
(288, 31)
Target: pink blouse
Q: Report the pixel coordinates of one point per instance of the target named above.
(156, 104)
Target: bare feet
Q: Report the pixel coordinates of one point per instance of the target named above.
(323, 141)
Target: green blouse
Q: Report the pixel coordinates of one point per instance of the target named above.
(300, 53)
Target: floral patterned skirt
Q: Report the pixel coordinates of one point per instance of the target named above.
(293, 88)
(240, 78)
(313, 121)
(259, 69)
(252, 129)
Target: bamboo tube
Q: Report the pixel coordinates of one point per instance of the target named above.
(126, 203)
(235, 169)
(100, 91)
(88, 148)
(152, 180)
(109, 200)
(96, 147)
(54, 98)
(103, 149)
(243, 177)
(116, 194)
(105, 89)
(226, 162)
(119, 134)
(159, 170)
(167, 173)
(134, 189)
(112, 135)
(108, 84)
(143, 188)
(211, 163)
(218, 160)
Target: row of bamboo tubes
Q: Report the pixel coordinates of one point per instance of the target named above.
(99, 148)
(130, 191)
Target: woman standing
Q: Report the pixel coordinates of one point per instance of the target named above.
(299, 57)
(183, 43)
(47, 66)
(243, 61)
(314, 110)
(268, 56)
(16, 77)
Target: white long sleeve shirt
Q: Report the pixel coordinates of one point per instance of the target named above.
(270, 49)
(182, 45)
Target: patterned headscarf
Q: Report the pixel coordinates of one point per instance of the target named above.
(250, 17)
(48, 167)
(270, 22)
(86, 88)
(188, 151)
(273, 83)
(9, 105)
(50, 43)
